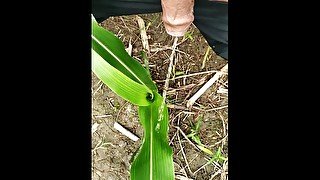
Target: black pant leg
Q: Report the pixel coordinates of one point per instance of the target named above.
(102, 9)
(210, 17)
(212, 20)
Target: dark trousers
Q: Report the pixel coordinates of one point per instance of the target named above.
(210, 17)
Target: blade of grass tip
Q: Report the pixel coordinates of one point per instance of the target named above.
(206, 150)
(199, 119)
(146, 61)
(205, 58)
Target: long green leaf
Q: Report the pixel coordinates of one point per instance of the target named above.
(154, 160)
(119, 82)
(111, 49)
(126, 77)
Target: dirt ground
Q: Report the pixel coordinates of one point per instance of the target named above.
(112, 152)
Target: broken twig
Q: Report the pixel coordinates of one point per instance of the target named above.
(125, 132)
(207, 86)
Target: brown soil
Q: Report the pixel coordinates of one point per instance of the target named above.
(112, 152)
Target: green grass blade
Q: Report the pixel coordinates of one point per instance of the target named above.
(199, 119)
(119, 83)
(111, 49)
(204, 149)
(127, 78)
(154, 159)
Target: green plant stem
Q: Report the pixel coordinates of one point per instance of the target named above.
(146, 61)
